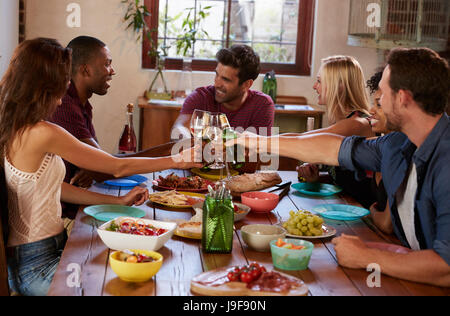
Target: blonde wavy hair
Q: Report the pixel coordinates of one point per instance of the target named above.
(343, 80)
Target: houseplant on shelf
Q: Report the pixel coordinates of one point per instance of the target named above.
(191, 31)
(135, 17)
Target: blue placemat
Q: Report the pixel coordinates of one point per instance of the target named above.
(317, 189)
(106, 213)
(340, 212)
(128, 182)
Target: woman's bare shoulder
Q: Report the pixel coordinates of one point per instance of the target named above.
(45, 127)
(43, 133)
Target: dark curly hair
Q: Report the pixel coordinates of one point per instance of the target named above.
(374, 81)
(241, 57)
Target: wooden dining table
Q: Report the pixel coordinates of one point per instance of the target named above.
(84, 268)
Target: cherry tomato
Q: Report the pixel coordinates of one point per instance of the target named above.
(232, 276)
(246, 277)
(254, 265)
(255, 273)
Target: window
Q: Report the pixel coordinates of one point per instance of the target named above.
(280, 31)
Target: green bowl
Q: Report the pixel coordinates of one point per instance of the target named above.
(291, 259)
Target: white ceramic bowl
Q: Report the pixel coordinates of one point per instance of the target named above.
(120, 241)
(259, 236)
(239, 216)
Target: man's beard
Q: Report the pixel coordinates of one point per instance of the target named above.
(393, 120)
(228, 97)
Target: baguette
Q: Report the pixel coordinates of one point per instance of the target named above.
(252, 182)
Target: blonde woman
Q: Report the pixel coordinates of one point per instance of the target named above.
(341, 87)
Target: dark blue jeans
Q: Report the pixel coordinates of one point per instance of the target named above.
(32, 266)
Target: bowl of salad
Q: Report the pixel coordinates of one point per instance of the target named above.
(132, 233)
(135, 265)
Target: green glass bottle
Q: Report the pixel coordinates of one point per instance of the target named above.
(270, 85)
(234, 154)
(218, 221)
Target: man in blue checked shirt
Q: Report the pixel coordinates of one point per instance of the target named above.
(414, 161)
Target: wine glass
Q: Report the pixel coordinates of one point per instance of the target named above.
(224, 123)
(199, 122)
(214, 133)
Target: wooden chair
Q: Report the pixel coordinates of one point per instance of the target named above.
(4, 288)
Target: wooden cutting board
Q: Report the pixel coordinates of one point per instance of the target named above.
(235, 288)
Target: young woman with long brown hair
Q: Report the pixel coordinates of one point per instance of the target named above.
(31, 150)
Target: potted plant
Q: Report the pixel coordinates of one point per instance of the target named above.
(135, 17)
(191, 30)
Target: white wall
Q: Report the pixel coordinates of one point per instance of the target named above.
(9, 31)
(103, 19)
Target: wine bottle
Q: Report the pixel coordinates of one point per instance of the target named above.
(127, 143)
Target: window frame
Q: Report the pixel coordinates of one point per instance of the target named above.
(303, 60)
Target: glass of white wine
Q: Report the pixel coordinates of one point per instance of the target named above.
(214, 133)
(199, 122)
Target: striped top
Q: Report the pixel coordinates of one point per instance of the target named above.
(257, 111)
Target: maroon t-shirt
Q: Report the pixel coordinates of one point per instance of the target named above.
(257, 111)
(75, 118)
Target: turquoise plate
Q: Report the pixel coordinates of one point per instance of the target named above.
(317, 189)
(106, 213)
(340, 212)
(127, 182)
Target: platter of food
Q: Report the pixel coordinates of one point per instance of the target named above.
(186, 184)
(188, 229)
(176, 199)
(193, 228)
(252, 182)
(305, 225)
(327, 231)
(213, 174)
(249, 280)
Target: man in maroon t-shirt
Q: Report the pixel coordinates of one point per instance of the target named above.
(236, 71)
(91, 73)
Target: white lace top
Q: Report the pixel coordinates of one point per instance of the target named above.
(34, 201)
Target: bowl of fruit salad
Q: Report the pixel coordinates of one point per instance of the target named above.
(128, 232)
(291, 254)
(135, 265)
